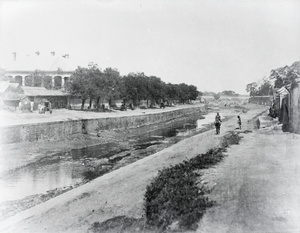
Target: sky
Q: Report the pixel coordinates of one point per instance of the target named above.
(215, 45)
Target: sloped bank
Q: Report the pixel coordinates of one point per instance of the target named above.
(62, 129)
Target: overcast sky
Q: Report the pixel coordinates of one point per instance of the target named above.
(215, 45)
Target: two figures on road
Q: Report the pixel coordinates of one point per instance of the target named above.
(218, 122)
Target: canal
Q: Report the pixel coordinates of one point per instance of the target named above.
(70, 168)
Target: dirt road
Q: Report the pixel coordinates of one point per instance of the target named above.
(257, 187)
(117, 193)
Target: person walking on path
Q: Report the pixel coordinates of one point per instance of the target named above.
(218, 123)
(239, 121)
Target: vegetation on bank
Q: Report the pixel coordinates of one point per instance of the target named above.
(278, 78)
(175, 195)
(175, 199)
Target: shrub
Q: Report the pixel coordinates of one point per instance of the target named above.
(174, 194)
(93, 174)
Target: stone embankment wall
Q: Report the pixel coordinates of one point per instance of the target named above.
(63, 129)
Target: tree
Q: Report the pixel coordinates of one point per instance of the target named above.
(111, 84)
(81, 84)
(183, 92)
(252, 88)
(285, 75)
(193, 92)
(28, 81)
(156, 89)
(229, 93)
(265, 89)
(135, 88)
(217, 96)
(172, 92)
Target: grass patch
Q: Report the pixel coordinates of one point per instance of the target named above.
(93, 174)
(119, 224)
(175, 196)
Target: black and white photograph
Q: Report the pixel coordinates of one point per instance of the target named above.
(149, 116)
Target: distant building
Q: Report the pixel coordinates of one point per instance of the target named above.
(54, 68)
(15, 96)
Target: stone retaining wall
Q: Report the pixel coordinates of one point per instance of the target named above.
(53, 131)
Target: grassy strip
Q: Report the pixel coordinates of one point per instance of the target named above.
(175, 196)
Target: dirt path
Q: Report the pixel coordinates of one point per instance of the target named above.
(257, 187)
(117, 193)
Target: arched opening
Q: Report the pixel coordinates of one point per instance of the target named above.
(47, 82)
(18, 79)
(57, 82)
(28, 81)
(37, 81)
(66, 82)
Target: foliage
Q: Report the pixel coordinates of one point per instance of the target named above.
(91, 83)
(172, 196)
(285, 75)
(81, 84)
(93, 174)
(193, 92)
(175, 196)
(278, 78)
(138, 86)
(229, 93)
(118, 224)
(217, 96)
(35, 79)
(261, 88)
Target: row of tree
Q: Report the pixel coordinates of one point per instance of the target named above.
(93, 84)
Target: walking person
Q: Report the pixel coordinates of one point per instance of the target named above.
(218, 123)
(239, 121)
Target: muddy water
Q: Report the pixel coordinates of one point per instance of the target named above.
(65, 169)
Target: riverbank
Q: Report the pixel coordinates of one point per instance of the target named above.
(19, 154)
(118, 149)
(81, 207)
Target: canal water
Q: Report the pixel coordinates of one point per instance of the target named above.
(66, 169)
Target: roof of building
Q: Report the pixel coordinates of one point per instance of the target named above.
(282, 91)
(5, 85)
(42, 91)
(44, 62)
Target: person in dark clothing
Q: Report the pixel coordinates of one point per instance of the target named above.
(218, 123)
(239, 121)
